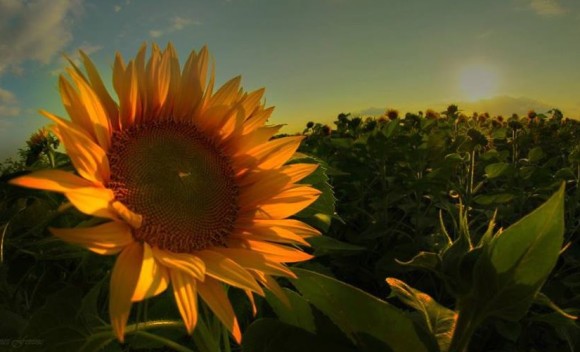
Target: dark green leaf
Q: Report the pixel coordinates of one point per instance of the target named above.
(439, 320)
(325, 245)
(355, 312)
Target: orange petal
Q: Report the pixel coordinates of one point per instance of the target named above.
(239, 147)
(224, 269)
(99, 88)
(257, 120)
(270, 155)
(271, 234)
(271, 251)
(228, 93)
(123, 281)
(88, 158)
(131, 218)
(52, 180)
(285, 204)
(93, 201)
(251, 102)
(295, 226)
(259, 186)
(214, 295)
(255, 261)
(185, 293)
(106, 239)
(188, 263)
(95, 111)
(153, 278)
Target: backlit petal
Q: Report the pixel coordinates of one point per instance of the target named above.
(185, 293)
(212, 292)
(224, 269)
(123, 281)
(153, 278)
(52, 180)
(93, 201)
(272, 251)
(188, 263)
(106, 239)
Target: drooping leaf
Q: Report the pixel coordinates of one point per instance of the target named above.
(356, 312)
(438, 319)
(497, 169)
(298, 313)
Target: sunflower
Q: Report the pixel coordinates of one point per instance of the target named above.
(194, 191)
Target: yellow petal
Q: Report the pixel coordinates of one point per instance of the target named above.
(106, 239)
(251, 101)
(73, 105)
(271, 234)
(276, 252)
(93, 201)
(99, 88)
(270, 155)
(188, 263)
(153, 278)
(257, 120)
(297, 227)
(214, 295)
(228, 93)
(123, 281)
(239, 147)
(285, 204)
(88, 158)
(224, 269)
(255, 261)
(259, 186)
(185, 293)
(252, 302)
(131, 218)
(95, 111)
(52, 180)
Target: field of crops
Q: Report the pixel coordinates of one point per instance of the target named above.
(427, 246)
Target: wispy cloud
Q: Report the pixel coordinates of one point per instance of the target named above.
(38, 30)
(176, 24)
(547, 7)
(8, 104)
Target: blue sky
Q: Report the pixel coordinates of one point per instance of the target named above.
(316, 58)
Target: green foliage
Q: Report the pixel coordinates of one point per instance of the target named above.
(434, 202)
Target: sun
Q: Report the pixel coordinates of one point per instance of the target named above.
(478, 82)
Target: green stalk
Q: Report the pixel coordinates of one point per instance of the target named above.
(467, 323)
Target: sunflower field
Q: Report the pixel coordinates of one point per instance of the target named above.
(434, 231)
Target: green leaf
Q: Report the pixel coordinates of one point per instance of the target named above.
(536, 154)
(326, 245)
(358, 313)
(544, 300)
(496, 169)
(271, 335)
(515, 263)
(319, 213)
(298, 313)
(439, 320)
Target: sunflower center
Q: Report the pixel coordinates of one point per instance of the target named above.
(178, 180)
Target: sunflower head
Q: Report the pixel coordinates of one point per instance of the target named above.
(194, 191)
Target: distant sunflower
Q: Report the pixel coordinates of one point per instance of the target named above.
(196, 192)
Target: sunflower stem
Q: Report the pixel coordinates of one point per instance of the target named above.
(167, 342)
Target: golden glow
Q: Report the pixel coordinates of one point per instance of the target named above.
(478, 82)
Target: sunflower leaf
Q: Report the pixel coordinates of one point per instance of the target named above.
(322, 211)
(363, 317)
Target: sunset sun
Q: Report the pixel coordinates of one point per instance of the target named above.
(478, 82)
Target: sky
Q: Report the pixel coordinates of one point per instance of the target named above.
(316, 58)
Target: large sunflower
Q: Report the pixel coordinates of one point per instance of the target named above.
(196, 192)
